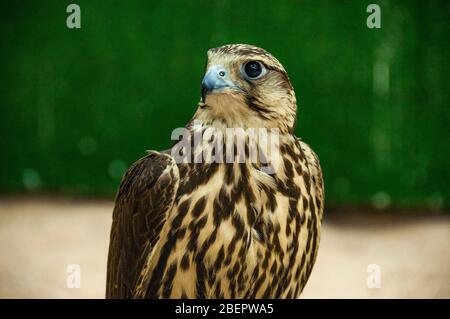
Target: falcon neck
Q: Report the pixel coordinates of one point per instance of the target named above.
(208, 144)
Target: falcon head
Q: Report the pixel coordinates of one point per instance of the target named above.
(245, 86)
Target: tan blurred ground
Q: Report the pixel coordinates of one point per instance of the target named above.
(40, 237)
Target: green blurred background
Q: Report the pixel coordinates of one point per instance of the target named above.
(80, 105)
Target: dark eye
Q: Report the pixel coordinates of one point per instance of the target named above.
(253, 69)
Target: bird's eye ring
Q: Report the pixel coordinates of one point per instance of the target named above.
(253, 70)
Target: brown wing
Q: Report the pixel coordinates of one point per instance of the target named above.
(317, 203)
(145, 197)
(316, 177)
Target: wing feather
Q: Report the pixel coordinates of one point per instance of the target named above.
(145, 197)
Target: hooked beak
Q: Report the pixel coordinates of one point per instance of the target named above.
(215, 79)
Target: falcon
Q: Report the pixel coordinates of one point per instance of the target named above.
(222, 229)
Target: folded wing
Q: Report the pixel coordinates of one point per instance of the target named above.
(145, 198)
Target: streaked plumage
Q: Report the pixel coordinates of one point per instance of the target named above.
(222, 230)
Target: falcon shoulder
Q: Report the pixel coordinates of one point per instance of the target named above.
(316, 176)
(145, 197)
